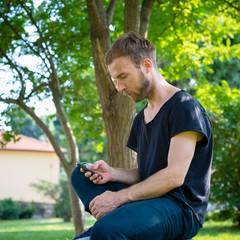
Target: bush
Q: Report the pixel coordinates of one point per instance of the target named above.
(28, 211)
(9, 209)
(218, 215)
(223, 106)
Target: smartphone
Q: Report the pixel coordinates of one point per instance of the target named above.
(86, 169)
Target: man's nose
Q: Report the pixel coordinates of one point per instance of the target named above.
(120, 86)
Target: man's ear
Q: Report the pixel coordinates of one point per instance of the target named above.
(147, 64)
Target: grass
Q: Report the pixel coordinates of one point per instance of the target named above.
(218, 231)
(38, 229)
(56, 229)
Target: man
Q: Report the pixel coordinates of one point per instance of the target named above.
(166, 196)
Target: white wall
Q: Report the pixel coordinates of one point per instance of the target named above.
(20, 168)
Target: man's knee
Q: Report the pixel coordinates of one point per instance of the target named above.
(77, 178)
(105, 228)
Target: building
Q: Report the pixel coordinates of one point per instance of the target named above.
(25, 162)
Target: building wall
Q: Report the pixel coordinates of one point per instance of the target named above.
(18, 169)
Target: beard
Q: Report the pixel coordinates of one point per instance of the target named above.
(142, 89)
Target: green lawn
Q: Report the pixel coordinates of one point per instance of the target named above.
(38, 229)
(56, 229)
(218, 231)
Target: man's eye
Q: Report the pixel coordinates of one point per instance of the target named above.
(122, 77)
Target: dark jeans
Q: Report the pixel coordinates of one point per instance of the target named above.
(155, 219)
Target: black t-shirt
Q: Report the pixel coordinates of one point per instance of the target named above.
(151, 141)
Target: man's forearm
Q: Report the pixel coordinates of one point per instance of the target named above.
(128, 177)
(180, 155)
(155, 186)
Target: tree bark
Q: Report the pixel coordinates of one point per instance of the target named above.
(145, 16)
(118, 110)
(132, 16)
(76, 207)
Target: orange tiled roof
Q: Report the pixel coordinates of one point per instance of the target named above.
(29, 144)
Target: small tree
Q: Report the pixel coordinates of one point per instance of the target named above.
(59, 193)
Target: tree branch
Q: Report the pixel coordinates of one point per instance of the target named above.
(131, 16)
(172, 22)
(48, 133)
(36, 89)
(41, 124)
(231, 5)
(29, 13)
(8, 100)
(94, 15)
(104, 67)
(14, 66)
(25, 41)
(110, 11)
(145, 16)
(45, 48)
(66, 126)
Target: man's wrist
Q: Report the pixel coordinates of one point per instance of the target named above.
(112, 174)
(123, 196)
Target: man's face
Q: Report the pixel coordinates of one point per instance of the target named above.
(129, 79)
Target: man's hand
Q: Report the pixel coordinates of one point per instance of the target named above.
(104, 203)
(100, 168)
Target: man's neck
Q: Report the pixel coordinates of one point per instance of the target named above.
(161, 92)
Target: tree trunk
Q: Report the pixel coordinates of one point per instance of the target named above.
(145, 16)
(132, 16)
(77, 211)
(118, 110)
(76, 207)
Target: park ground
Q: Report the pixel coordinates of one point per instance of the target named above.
(56, 229)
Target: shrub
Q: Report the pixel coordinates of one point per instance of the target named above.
(223, 106)
(28, 211)
(9, 209)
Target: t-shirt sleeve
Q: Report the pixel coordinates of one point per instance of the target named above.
(189, 115)
(132, 140)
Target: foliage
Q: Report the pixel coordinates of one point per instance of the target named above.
(23, 124)
(189, 35)
(28, 211)
(223, 106)
(228, 70)
(6, 137)
(62, 207)
(59, 193)
(10, 209)
(24, 28)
